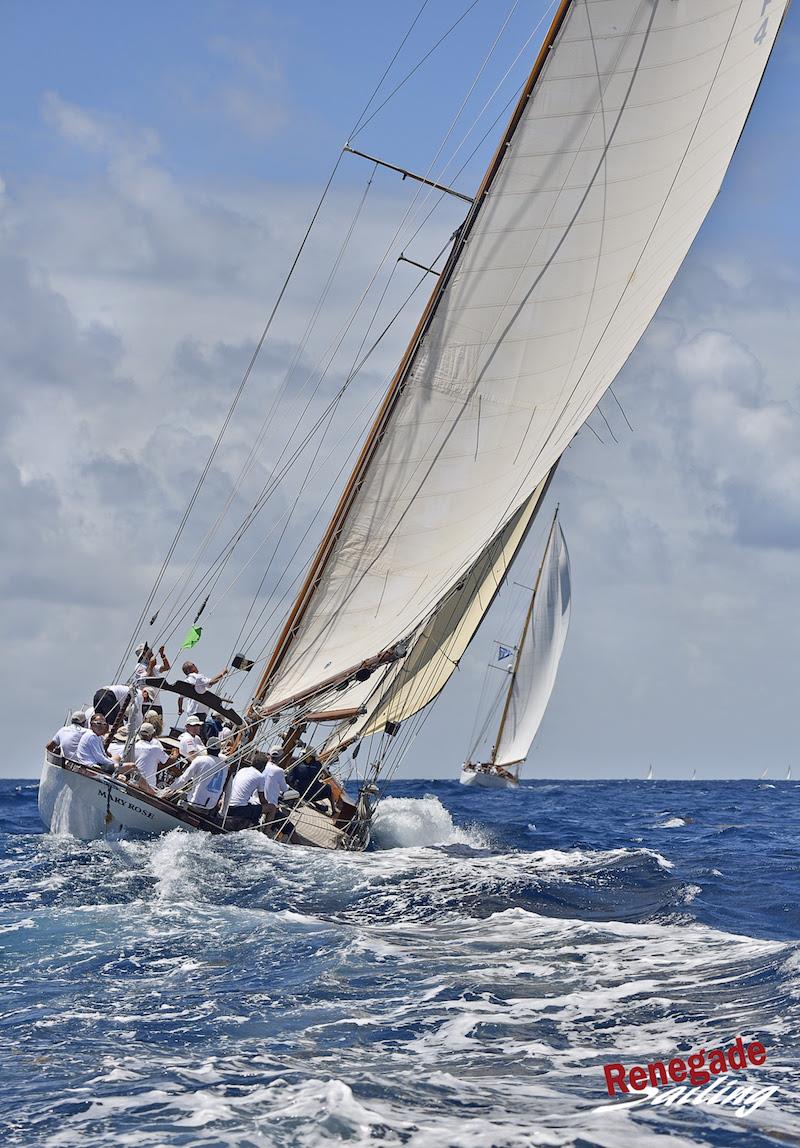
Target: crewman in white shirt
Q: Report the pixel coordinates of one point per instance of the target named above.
(243, 811)
(189, 706)
(267, 784)
(148, 754)
(275, 783)
(65, 740)
(203, 778)
(190, 743)
(90, 749)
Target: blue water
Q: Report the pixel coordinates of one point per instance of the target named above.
(461, 984)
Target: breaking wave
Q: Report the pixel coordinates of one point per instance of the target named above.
(463, 983)
(408, 822)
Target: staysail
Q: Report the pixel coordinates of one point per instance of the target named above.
(540, 650)
(434, 653)
(609, 165)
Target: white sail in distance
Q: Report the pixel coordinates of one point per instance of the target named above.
(540, 649)
(610, 164)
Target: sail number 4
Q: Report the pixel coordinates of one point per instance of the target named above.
(761, 33)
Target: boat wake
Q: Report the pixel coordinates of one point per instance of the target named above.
(407, 822)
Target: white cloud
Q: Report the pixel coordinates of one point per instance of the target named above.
(133, 301)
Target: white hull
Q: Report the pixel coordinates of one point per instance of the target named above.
(485, 780)
(89, 806)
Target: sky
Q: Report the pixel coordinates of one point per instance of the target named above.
(158, 167)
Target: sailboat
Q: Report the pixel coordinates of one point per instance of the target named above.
(788, 773)
(533, 675)
(694, 775)
(763, 774)
(649, 776)
(613, 155)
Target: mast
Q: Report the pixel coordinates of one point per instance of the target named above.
(394, 391)
(525, 628)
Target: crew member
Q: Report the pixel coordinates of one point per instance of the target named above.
(190, 743)
(200, 682)
(304, 776)
(156, 721)
(248, 783)
(146, 661)
(275, 784)
(90, 749)
(148, 754)
(204, 778)
(108, 701)
(65, 740)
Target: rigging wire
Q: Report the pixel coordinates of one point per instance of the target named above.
(357, 125)
(226, 421)
(201, 586)
(455, 120)
(450, 130)
(249, 462)
(415, 69)
(237, 396)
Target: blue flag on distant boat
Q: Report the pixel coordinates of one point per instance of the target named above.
(504, 652)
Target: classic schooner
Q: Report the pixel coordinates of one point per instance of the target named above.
(611, 159)
(533, 674)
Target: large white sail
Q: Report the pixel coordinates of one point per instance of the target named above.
(541, 645)
(434, 653)
(612, 160)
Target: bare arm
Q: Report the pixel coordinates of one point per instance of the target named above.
(219, 677)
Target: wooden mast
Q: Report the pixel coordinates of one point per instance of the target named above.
(525, 630)
(378, 429)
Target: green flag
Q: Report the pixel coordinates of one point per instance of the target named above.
(192, 638)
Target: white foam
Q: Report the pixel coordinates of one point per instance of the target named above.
(411, 822)
(671, 823)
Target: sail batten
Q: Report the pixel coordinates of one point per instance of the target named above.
(610, 163)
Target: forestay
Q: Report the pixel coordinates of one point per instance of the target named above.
(540, 651)
(607, 173)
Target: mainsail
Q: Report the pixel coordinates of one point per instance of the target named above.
(611, 161)
(540, 649)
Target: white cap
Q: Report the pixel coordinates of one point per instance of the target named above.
(147, 727)
(78, 718)
(275, 750)
(193, 720)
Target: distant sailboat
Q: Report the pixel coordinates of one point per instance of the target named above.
(763, 775)
(694, 775)
(649, 773)
(534, 674)
(789, 773)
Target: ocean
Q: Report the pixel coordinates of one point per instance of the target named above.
(462, 983)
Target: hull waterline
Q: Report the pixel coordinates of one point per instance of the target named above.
(90, 806)
(486, 780)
